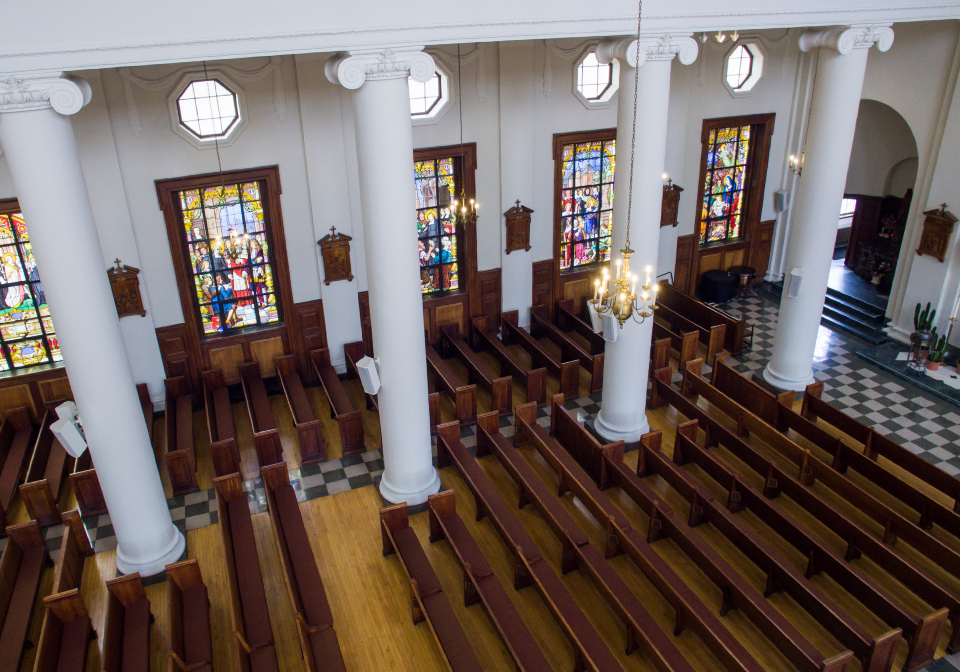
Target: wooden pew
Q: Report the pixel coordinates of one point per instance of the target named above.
(685, 344)
(777, 411)
(706, 316)
(266, 438)
(188, 607)
(567, 372)
(711, 337)
(180, 451)
(568, 320)
(923, 632)
(349, 419)
(500, 389)
(480, 584)
(86, 487)
(530, 567)
(318, 639)
(737, 592)
(877, 444)
(353, 353)
(309, 428)
(659, 354)
(126, 632)
(427, 600)
(74, 549)
(690, 612)
(859, 541)
(47, 472)
(464, 396)
(534, 380)
(66, 636)
(249, 616)
(540, 326)
(876, 654)
(642, 631)
(146, 405)
(21, 569)
(895, 524)
(220, 427)
(16, 440)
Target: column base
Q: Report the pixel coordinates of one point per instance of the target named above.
(155, 564)
(395, 496)
(784, 383)
(612, 432)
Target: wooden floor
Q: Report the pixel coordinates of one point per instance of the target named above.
(369, 596)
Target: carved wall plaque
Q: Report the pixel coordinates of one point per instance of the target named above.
(335, 250)
(670, 205)
(518, 228)
(126, 290)
(937, 229)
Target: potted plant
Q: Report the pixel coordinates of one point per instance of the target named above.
(921, 337)
(938, 348)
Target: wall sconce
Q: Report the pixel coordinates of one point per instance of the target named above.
(796, 165)
(720, 37)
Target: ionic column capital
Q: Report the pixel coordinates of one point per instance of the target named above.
(635, 52)
(845, 39)
(65, 94)
(352, 69)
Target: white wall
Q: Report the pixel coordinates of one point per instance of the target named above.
(882, 140)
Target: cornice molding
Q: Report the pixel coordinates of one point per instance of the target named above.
(64, 94)
(845, 39)
(649, 48)
(352, 69)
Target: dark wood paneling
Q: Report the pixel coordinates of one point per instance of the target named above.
(865, 224)
(175, 352)
(683, 265)
(313, 333)
(544, 281)
(31, 390)
(760, 249)
(491, 299)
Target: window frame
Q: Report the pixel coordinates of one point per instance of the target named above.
(212, 142)
(10, 207)
(269, 179)
(226, 131)
(757, 67)
(458, 232)
(444, 102)
(761, 131)
(609, 95)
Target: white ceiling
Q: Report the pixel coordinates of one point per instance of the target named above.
(85, 34)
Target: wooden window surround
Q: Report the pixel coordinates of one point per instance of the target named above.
(550, 285)
(461, 305)
(228, 350)
(752, 247)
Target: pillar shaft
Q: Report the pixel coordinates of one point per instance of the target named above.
(385, 158)
(627, 360)
(41, 152)
(833, 120)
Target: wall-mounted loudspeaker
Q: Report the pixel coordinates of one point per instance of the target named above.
(369, 377)
(781, 200)
(793, 282)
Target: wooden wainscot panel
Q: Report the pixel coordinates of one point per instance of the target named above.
(937, 230)
(670, 205)
(366, 330)
(518, 228)
(450, 314)
(683, 264)
(760, 249)
(55, 389)
(543, 283)
(578, 291)
(175, 351)
(228, 359)
(125, 284)
(733, 258)
(313, 333)
(491, 298)
(264, 352)
(335, 251)
(708, 262)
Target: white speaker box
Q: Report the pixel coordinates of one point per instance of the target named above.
(781, 200)
(369, 377)
(793, 282)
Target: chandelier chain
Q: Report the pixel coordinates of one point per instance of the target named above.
(216, 140)
(463, 185)
(633, 141)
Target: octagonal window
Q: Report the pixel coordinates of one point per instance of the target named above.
(426, 98)
(208, 109)
(744, 68)
(594, 79)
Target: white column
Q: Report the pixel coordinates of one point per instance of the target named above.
(627, 360)
(41, 151)
(833, 119)
(381, 103)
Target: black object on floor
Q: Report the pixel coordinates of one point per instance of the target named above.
(718, 286)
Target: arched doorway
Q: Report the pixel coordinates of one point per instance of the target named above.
(870, 226)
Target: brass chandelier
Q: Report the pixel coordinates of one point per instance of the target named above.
(616, 297)
(467, 212)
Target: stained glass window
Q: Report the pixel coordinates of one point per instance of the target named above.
(26, 330)
(586, 203)
(593, 77)
(436, 187)
(727, 156)
(739, 67)
(208, 109)
(229, 253)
